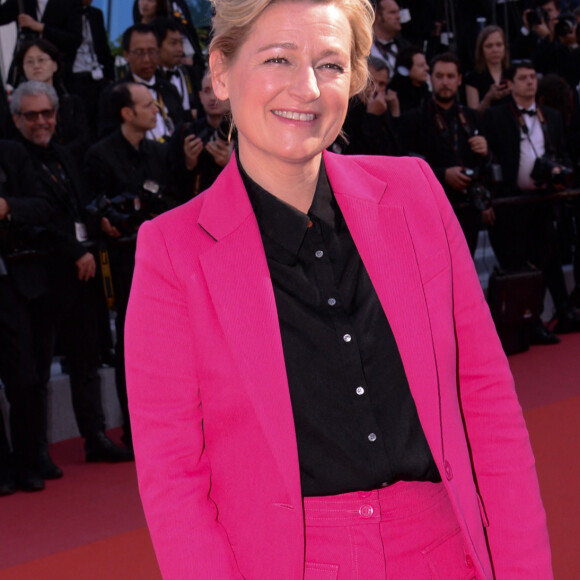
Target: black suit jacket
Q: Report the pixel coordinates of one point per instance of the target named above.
(62, 23)
(29, 206)
(59, 235)
(101, 41)
(419, 135)
(504, 136)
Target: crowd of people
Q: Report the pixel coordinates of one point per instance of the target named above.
(89, 152)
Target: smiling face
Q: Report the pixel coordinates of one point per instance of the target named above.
(38, 66)
(36, 119)
(288, 84)
(493, 49)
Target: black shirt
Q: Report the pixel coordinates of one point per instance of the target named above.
(356, 423)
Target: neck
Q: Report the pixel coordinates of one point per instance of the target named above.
(524, 102)
(496, 71)
(137, 78)
(133, 135)
(444, 104)
(384, 36)
(214, 120)
(294, 184)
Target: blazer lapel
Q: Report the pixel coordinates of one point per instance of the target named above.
(238, 278)
(381, 233)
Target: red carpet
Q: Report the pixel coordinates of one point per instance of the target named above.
(90, 526)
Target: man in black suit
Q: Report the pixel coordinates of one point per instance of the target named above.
(68, 309)
(126, 168)
(58, 21)
(141, 50)
(448, 136)
(521, 134)
(93, 67)
(186, 79)
(388, 42)
(22, 204)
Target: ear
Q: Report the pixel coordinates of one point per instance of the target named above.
(219, 75)
(127, 113)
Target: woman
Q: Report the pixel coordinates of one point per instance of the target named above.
(146, 11)
(39, 60)
(313, 373)
(485, 86)
(410, 80)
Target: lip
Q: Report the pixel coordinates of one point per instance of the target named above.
(296, 116)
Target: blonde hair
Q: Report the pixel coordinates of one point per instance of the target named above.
(233, 20)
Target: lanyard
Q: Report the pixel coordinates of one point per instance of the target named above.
(443, 128)
(519, 116)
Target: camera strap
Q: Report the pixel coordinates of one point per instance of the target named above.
(519, 117)
(443, 128)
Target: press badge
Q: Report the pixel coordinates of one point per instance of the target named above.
(405, 14)
(81, 232)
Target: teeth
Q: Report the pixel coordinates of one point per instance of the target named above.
(295, 116)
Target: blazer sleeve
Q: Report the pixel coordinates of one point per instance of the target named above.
(501, 453)
(167, 421)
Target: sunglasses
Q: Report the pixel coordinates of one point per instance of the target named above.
(31, 116)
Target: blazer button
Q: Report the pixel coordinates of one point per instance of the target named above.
(366, 511)
(468, 561)
(448, 470)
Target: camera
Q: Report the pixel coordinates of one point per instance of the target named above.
(544, 174)
(536, 16)
(208, 134)
(127, 211)
(478, 194)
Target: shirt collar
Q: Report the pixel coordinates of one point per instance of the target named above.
(280, 222)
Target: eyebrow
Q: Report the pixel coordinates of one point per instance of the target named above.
(293, 46)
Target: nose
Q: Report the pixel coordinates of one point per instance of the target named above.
(304, 84)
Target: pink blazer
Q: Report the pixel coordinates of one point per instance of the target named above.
(212, 421)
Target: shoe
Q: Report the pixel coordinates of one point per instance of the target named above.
(541, 335)
(100, 448)
(28, 479)
(47, 468)
(568, 321)
(7, 483)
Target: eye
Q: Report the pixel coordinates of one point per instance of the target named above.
(333, 66)
(276, 60)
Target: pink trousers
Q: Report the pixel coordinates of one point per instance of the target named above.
(407, 531)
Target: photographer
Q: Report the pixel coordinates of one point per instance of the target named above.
(200, 150)
(528, 141)
(128, 177)
(447, 135)
(66, 308)
(22, 203)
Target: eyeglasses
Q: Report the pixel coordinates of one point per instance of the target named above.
(32, 116)
(142, 53)
(39, 60)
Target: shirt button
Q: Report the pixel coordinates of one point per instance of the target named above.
(372, 437)
(366, 511)
(319, 253)
(331, 301)
(347, 338)
(360, 391)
